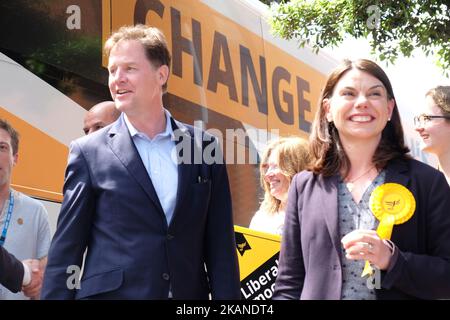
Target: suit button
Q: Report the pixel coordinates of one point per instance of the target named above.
(169, 236)
(165, 276)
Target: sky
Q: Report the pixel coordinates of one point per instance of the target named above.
(411, 78)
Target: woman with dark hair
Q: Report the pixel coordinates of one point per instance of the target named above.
(433, 125)
(366, 221)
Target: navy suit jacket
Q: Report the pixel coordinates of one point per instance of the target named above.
(310, 265)
(11, 271)
(111, 208)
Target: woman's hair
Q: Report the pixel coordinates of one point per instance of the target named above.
(292, 157)
(328, 154)
(441, 96)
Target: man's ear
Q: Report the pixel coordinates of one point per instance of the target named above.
(15, 159)
(163, 73)
(326, 109)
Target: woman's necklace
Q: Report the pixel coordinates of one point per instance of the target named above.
(351, 183)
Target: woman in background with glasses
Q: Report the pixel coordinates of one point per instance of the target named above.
(433, 125)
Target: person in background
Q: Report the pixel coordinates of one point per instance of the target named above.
(282, 159)
(357, 145)
(433, 125)
(99, 116)
(23, 220)
(155, 228)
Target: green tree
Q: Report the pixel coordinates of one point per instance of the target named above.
(392, 27)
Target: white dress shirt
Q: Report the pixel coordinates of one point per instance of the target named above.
(156, 156)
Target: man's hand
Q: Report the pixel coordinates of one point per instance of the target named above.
(33, 289)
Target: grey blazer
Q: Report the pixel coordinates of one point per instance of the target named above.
(310, 259)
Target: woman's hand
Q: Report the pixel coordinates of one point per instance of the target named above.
(367, 245)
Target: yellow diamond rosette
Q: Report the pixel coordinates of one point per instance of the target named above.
(390, 203)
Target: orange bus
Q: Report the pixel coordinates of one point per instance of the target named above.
(228, 71)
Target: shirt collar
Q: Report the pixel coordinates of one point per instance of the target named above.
(168, 131)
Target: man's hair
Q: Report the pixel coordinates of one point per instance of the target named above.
(12, 133)
(152, 39)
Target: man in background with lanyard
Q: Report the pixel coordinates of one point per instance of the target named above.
(24, 226)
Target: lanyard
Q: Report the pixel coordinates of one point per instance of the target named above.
(8, 219)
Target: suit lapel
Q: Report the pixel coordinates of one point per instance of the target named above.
(329, 203)
(123, 147)
(183, 136)
(396, 172)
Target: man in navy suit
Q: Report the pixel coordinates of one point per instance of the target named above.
(155, 227)
(16, 275)
(12, 271)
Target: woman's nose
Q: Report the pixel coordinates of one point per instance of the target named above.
(269, 173)
(361, 100)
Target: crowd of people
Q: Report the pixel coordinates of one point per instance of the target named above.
(349, 204)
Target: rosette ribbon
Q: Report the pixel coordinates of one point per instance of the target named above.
(390, 203)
